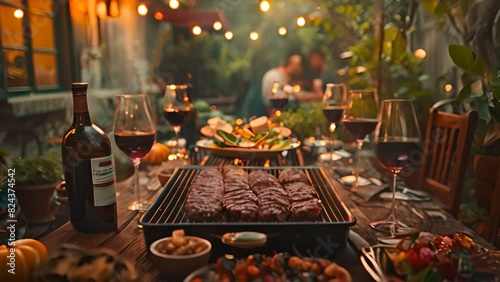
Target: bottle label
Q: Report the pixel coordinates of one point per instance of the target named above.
(103, 180)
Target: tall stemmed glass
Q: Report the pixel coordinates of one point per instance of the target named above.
(176, 106)
(334, 103)
(397, 145)
(360, 119)
(135, 134)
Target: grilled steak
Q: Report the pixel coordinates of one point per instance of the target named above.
(204, 201)
(240, 202)
(273, 199)
(292, 176)
(304, 202)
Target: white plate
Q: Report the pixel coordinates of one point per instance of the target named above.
(243, 153)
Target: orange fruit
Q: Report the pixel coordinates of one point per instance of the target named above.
(22, 271)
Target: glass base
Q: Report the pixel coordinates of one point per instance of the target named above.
(143, 206)
(394, 228)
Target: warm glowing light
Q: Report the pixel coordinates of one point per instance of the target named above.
(264, 5)
(254, 35)
(282, 30)
(113, 8)
(18, 14)
(217, 25)
(296, 88)
(238, 122)
(174, 4)
(159, 15)
(228, 35)
(420, 53)
(360, 69)
(278, 113)
(101, 9)
(341, 72)
(448, 87)
(301, 21)
(142, 9)
(196, 30)
(267, 163)
(332, 127)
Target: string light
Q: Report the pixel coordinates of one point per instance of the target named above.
(282, 31)
(448, 87)
(18, 14)
(196, 30)
(420, 53)
(254, 35)
(264, 5)
(228, 35)
(142, 9)
(301, 21)
(174, 4)
(159, 15)
(217, 25)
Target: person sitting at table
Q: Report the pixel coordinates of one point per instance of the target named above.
(289, 72)
(317, 73)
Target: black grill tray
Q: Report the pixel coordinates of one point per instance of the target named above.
(320, 238)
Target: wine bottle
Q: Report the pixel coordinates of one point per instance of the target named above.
(88, 170)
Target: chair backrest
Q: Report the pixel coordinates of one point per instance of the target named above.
(492, 233)
(446, 155)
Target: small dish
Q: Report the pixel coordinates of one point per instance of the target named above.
(176, 267)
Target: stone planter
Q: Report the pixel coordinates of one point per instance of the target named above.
(35, 202)
(485, 170)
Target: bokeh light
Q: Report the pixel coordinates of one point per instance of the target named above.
(142, 9)
(196, 30)
(282, 30)
(174, 4)
(158, 15)
(420, 53)
(228, 35)
(18, 14)
(448, 87)
(217, 25)
(301, 21)
(254, 35)
(264, 5)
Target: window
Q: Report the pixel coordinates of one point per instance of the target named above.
(30, 56)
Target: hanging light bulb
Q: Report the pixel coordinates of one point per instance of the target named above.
(228, 35)
(142, 9)
(174, 4)
(18, 14)
(420, 53)
(301, 21)
(264, 5)
(282, 31)
(448, 87)
(254, 35)
(217, 25)
(196, 30)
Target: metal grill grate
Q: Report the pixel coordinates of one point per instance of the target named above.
(169, 206)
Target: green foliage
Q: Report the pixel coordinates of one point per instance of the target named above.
(44, 169)
(304, 120)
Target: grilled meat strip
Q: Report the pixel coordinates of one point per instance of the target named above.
(240, 202)
(204, 201)
(272, 198)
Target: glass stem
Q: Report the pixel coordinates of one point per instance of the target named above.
(392, 217)
(356, 170)
(332, 141)
(137, 162)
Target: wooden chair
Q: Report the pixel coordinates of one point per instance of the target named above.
(446, 156)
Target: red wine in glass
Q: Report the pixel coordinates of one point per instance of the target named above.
(135, 144)
(333, 113)
(176, 117)
(279, 103)
(395, 155)
(360, 127)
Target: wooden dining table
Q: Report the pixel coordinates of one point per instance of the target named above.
(128, 240)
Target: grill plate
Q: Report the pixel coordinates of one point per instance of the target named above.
(320, 238)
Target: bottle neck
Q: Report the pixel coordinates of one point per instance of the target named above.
(80, 110)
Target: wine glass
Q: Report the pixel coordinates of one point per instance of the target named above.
(279, 97)
(135, 134)
(334, 103)
(397, 145)
(176, 106)
(360, 119)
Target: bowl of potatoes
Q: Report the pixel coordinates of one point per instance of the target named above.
(178, 255)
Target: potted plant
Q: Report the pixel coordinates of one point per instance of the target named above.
(36, 178)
